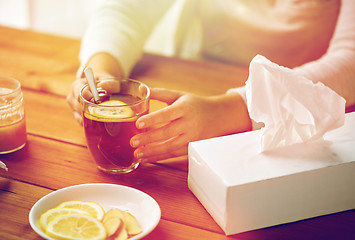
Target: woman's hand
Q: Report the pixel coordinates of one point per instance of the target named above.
(187, 118)
(104, 66)
(73, 97)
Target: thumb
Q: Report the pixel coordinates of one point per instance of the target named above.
(165, 95)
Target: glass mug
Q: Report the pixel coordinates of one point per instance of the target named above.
(12, 116)
(110, 124)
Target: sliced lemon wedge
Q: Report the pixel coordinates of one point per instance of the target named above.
(94, 209)
(53, 213)
(76, 227)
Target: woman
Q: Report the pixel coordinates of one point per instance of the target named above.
(315, 38)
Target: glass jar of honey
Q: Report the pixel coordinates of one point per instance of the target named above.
(12, 116)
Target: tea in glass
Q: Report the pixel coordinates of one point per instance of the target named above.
(110, 124)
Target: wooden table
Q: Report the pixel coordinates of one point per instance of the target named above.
(56, 155)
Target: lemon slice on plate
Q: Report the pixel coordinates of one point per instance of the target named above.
(76, 227)
(93, 208)
(53, 213)
(112, 109)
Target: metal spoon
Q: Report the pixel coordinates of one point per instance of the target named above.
(90, 78)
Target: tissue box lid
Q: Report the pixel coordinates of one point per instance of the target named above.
(238, 159)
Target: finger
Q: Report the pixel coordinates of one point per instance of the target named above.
(73, 99)
(103, 75)
(110, 85)
(75, 106)
(78, 118)
(165, 95)
(163, 133)
(86, 94)
(166, 147)
(78, 107)
(172, 154)
(160, 117)
(77, 88)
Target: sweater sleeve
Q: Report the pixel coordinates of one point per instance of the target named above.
(121, 28)
(336, 68)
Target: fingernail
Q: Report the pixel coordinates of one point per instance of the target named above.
(135, 143)
(141, 125)
(139, 155)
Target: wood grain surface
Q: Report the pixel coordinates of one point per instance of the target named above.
(56, 156)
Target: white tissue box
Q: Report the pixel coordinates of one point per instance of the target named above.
(244, 189)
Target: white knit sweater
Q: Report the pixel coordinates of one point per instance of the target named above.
(314, 37)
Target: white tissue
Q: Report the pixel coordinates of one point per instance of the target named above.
(292, 107)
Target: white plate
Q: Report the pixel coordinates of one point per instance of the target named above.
(139, 204)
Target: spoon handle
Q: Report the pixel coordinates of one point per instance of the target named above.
(90, 78)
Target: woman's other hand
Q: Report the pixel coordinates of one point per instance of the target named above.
(187, 118)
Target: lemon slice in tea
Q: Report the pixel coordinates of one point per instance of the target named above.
(112, 109)
(76, 226)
